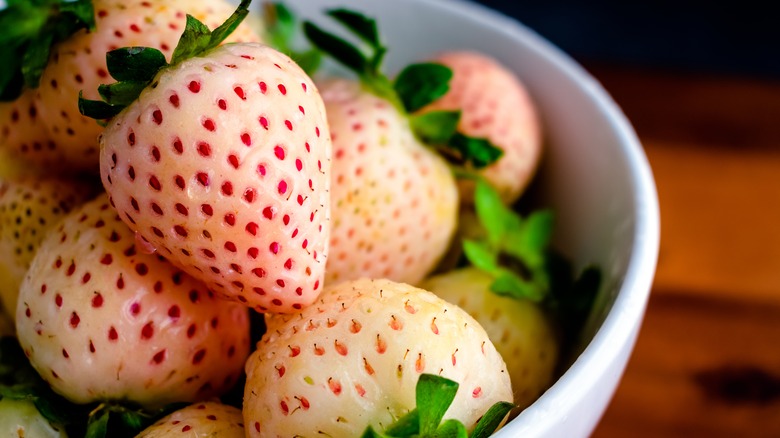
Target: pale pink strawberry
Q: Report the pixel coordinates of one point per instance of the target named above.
(495, 105)
(394, 201)
(29, 208)
(223, 166)
(79, 64)
(354, 357)
(522, 332)
(207, 419)
(100, 320)
(24, 135)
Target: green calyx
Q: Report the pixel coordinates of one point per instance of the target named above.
(110, 419)
(135, 68)
(30, 29)
(415, 87)
(434, 395)
(514, 250)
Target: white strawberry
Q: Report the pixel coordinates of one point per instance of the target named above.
(24, 135)
(353, 359)
(78, 64)
(495, 105)
(394, 201)
(521, 330)
(222, 164)
(29, 208)
(100, 319)
(207, 419)
(20, 419)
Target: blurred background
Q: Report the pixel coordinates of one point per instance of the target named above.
(700, 82)
(738, 38)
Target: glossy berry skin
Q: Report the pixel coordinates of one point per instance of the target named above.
(520, 329)
(223, 166)
(394, 202)
(101, 320)
(494, 104)
(29, 208)
(200, 420)
(353, 359)
(78, 64)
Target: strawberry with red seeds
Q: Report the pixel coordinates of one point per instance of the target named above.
(100, 320)
(353, 359)
(207, 419)
(394, 198)
(78, 64)
(222, 164)
(29, 208)
(394, 201)
(494, 104)
(24, 135)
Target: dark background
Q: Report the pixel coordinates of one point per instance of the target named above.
(735, 37)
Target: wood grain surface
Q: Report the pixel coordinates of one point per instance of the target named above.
(707, 361)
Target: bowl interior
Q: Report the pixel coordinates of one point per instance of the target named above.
(594, 175)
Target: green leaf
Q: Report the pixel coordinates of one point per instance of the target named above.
(491, 420)
(420, 84)
(135, 67)
(197, 38)
(82, 10)
(54, 409)
(229, 26)
(133, 420)
(508, 283)
(435, 127)
(35, 59)
(121, 94)
(138, 64)
(11, 78)
(434, 395)
(336, 47)
(538, 229)
(477, 151)
(21, 21)
(366, 66)
(309, 60)
(408, 425)
(491, 211)
(527, 240)
(371, 433)
(481, 256)
(364, 27)
(97, 426)
(194, 40)
(515, 251)
(451, 429)
(97, 109)
(279, 25)
(29, 31)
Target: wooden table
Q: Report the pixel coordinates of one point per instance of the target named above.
(707, 361)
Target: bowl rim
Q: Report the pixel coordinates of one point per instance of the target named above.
(619, 329)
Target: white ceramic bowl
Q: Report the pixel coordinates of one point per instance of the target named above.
(595, 176)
